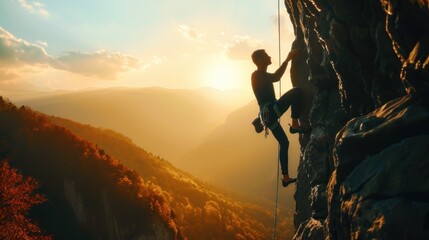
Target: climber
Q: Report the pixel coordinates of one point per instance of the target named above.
(272, 109)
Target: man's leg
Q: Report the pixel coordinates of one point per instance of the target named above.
(290, 98)
(281, 137)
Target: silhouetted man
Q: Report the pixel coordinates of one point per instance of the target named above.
(272, 109)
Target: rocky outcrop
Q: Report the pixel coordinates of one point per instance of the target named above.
(380, 186)
(112, 227)
(363, 172)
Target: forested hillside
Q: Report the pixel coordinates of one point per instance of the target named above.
(90, 195)
(201, 211)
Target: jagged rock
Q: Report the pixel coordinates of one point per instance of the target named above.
(380, 157)
(318, 201)
(311, 229)
(387, 194)
(410, 36)
(368, 61)
(75, 199)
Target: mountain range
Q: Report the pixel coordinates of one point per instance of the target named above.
(167, 122)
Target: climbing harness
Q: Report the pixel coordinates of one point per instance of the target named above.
(265, 116)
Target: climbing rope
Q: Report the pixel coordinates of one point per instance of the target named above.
(278, 154)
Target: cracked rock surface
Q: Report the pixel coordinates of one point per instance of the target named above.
(364, 169)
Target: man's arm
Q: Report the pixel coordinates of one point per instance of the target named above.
(277, 75)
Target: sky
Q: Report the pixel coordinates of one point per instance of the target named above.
(80, 44)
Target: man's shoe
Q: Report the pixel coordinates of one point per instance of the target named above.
(298, 130)
(287, 182)
(258, 125)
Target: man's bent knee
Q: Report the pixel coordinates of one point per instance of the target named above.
(297, 91)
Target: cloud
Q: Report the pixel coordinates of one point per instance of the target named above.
(42, 44)
(155, 60)
(100, 64)
(191, 34)
(158, 60)
(242, 47)
(235, 47)
(16, 53)
(34, 7)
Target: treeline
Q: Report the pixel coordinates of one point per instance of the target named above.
(90, 195)
(200, 210)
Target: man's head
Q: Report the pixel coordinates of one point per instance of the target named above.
(260, 58)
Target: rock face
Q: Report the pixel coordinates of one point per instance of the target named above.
(364, 171)
(111, 226)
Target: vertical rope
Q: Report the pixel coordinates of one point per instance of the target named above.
(278, 153)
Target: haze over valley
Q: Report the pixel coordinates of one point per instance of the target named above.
(206, 132)
(167, 122)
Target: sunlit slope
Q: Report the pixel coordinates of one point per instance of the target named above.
(168, 122)
(236, 157)
(90, 195)
(201, 211)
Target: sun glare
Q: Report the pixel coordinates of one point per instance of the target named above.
(223, 76)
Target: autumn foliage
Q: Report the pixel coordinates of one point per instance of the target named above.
(91, 195)
(201, 211)
(17, 196)
(116, 190)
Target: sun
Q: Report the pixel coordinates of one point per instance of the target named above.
(223, 75)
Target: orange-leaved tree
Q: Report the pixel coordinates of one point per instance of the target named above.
(17, 196)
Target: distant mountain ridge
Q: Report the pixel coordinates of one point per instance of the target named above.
(168, 122)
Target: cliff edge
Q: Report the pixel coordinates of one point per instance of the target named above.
(364, 170)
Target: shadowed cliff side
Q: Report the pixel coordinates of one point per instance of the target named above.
(371, 81)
